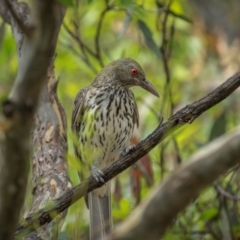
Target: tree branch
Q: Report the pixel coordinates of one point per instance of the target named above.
(50, 173)
(17, 17)
(183, 116)
(35, 52)
(151, 219)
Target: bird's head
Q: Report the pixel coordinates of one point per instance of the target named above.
(127, 73)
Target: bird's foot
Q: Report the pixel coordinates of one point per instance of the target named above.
(127, 150)
(98, 174)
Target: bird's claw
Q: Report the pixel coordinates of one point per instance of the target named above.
(127, 150)
(98, 174)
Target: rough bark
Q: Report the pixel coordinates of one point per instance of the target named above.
(50, 173)
(35, 36)
(186, 115)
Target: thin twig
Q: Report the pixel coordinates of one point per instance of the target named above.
(231, 178)
(151, 108)
(226, 194)
(98, 31)
(76, 37)
(82, 46)
(162, 8)
(166, 48)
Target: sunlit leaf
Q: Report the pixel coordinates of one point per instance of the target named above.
(209, 214)
(123, 210)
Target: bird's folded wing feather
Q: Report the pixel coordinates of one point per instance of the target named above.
(77, 114)
(136, 114)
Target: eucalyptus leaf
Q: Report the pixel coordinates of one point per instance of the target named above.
(148, 38)
(209, 214)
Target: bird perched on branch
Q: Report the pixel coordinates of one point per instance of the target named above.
(103, 120)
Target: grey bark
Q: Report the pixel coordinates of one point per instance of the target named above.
(35, 36)
(50, 173)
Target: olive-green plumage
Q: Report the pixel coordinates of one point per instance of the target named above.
(103, 119)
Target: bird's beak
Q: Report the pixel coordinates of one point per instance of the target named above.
(147, 86)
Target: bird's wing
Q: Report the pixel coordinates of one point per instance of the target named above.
(135, 114)
(77, 115)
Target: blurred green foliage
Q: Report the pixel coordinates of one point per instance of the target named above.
(182, 60)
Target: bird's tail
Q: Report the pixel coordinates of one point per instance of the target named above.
(100, 213)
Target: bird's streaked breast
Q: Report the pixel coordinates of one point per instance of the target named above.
(107, 125)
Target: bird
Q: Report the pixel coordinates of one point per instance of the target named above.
(103, 119)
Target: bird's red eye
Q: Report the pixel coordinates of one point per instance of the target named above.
(134, 71)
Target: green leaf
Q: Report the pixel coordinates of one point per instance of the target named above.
(123, 210)
(148, 38)
(124, 3)
(209, 214)
(138, 11)
(67, 3)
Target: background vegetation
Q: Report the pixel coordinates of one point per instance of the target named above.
(186, 52)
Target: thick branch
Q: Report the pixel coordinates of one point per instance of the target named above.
(150, 219)
(20, 9)
(17, 17)
(185, 115)
(50, 173)
(42, 45)
(17, 112)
